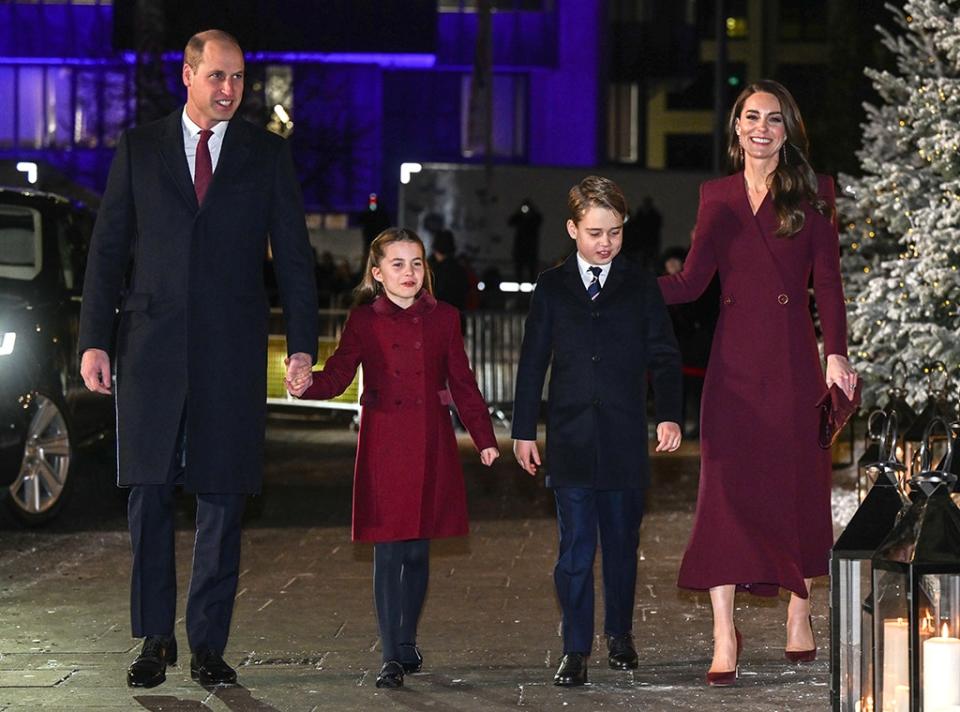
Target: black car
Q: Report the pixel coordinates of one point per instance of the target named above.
(45, 411)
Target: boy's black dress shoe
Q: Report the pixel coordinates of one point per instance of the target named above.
(621, 653)
(391, 675)
(572, 670)
(412, 660)
(150, 667)
(209, 668)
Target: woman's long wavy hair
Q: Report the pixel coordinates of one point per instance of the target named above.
(369, 288)
(793, 182)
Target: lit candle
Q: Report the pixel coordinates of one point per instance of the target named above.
(941, 672)
(902, 698)
(896, 661)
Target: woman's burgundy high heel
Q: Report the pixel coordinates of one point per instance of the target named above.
(803, 656)
(729, 677)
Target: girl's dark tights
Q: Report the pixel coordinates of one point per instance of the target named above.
(400, 573)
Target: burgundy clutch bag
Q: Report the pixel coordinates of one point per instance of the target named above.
(835, 411)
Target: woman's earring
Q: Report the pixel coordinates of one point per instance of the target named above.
(783, 150)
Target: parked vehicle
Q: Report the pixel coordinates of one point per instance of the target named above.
(46, 414)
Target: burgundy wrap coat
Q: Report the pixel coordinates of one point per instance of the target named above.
(408, 483)
(763, 517)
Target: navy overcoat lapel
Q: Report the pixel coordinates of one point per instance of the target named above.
(174, 158)
(233, 154)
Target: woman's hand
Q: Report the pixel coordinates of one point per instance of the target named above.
(488, 455)
(840, 372)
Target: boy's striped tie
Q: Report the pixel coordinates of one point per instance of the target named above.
(593, 290)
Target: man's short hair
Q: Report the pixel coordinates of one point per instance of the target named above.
(193, 52)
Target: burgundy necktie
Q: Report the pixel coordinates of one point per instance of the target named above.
(203, 170)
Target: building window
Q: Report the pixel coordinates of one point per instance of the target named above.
(806, 21)
(698, 95)
(690, 151)
(57, 106)
(623, 123)
(508, 125)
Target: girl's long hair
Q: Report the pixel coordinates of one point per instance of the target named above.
(793, 182)
(369, 288)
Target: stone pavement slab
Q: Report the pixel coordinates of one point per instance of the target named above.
(304, 634)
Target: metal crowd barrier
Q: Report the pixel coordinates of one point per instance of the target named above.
(492, 341)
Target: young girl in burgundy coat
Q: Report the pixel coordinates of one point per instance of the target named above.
(408, 485)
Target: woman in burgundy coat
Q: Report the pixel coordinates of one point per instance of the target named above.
(408, 485)
(763, 518)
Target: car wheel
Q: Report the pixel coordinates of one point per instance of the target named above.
(42, 483)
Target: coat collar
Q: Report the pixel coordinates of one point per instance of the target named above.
(232, 155)
(424, 304)
(574, 282)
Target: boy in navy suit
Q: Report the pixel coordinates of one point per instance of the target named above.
(600, 322)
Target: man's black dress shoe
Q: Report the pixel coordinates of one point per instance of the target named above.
(411, 659)
(209, 668)
(621, 653)
(150, 667)
(391, 675)
(572, 670)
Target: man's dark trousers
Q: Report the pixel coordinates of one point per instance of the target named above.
(582, 513)
(216, 564)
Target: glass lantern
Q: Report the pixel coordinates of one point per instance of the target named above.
(937, 406)
(851, 599)
(916, 586)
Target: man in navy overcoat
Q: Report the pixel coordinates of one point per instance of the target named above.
(191, 200)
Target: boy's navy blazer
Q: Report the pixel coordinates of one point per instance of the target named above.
(600, 353)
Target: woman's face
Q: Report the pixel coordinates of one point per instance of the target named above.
(401, 272)
(760, 126)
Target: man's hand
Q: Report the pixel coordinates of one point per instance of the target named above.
(668, 436)
(95, 371)
(299, 375)
(527, 455)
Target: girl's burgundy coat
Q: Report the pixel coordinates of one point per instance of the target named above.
(408, 483)
(763, 511)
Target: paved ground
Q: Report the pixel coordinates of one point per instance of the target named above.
(304, 635)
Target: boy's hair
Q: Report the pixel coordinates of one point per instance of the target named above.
(595, 192)
(369, 288)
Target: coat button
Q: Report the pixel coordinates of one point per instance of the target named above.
(595, 358)
(398, 402)
(728, 300)
(783, 299)
(595, 315)
(396, 346)
(597, 402)
(396, 372)
(416, 344)
(416, 320)
(419, 401)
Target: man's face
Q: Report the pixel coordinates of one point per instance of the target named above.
(214, 90)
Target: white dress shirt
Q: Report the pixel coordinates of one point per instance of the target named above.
(191, 137)
(586, 275)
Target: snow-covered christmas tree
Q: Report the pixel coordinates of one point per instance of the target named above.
(900, 220)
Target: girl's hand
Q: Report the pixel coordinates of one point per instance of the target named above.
(488, 455)
(840, 372)
(668, 436)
